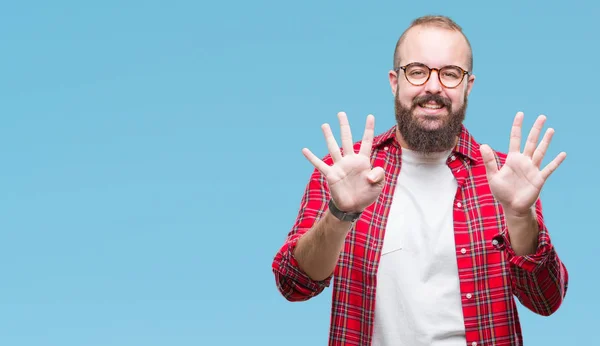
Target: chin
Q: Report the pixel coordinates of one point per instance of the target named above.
(430, 126)
(432, 122)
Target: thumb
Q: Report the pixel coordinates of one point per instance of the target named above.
(376, 175)
(488, 159)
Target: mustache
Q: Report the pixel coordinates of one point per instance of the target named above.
(436, 98)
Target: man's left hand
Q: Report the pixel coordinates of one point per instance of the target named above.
(517, 185)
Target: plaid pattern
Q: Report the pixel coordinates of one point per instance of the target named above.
(490, 273)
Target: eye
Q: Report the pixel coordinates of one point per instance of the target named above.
(451, 74)
(417, 72)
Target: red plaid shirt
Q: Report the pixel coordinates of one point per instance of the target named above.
(490, 273)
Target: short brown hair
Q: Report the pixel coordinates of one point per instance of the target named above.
(439, 21)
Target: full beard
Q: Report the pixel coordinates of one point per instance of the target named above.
(421, 139)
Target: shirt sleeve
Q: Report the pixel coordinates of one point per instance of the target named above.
(539, 280)
(293, 283)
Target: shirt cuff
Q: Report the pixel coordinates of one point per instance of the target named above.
(291, 270)
(529, 263)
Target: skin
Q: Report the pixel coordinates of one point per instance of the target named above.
(354, 185)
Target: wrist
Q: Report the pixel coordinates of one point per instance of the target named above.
(523, 231)
(519, 214)
(343, 215)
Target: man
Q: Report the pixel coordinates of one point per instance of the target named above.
(427, 234)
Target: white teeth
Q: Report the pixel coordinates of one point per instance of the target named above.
(430, 106)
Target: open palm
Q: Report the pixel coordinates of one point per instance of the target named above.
(517, 185)
(353, 183)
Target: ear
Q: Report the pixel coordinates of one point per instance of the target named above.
(470, 83)
(393, 77)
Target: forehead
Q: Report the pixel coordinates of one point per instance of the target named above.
(435, 47)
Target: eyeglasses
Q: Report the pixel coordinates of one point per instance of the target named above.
(418, 74)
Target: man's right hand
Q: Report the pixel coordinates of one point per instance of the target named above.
(353, 184)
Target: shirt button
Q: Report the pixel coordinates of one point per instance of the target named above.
(385, 148)
(463, 251)
(458, 204)
(474, 343)
(469, 296)
(495, 242)
(452, 157)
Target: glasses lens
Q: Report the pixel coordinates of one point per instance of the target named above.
(451, 76)
(417, 74)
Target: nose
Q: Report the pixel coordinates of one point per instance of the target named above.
(433, 85)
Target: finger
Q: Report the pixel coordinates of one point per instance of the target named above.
(540, 152)
(367, 140)
(332, 145)
(534, 136)
(318, 163)
(376, 175)
(552, 166)
(489, 160)
(515, 134)
(346, 134)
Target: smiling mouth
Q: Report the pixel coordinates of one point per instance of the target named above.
(430, 105)
(432, 110)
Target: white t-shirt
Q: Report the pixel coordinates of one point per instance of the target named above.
(418, 299)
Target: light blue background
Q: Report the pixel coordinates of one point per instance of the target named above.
(151, 155)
